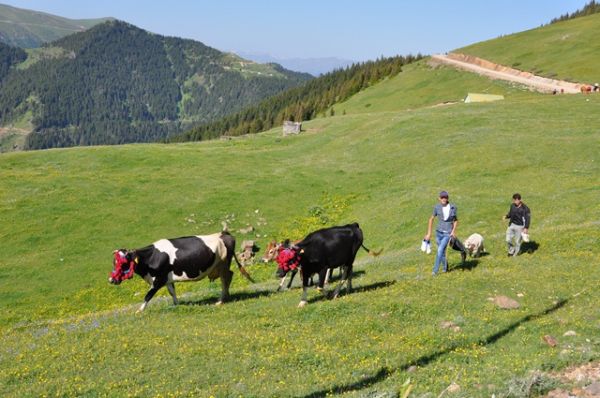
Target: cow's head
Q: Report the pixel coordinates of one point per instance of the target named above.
(271, 252)
(124, 263)
(288, 259)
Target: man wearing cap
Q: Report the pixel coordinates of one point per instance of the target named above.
(446, 229)
(520, 217)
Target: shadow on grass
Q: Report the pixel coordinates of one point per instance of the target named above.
(338, 275)
(468, 265)
(425, 360)
(240, 296)
(360, 289)
(365, 382)
(529, 247)
(332, 278)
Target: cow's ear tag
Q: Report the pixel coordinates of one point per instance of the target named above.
(136, 260)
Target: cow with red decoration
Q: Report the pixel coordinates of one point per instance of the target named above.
(320, 251)
(287, 261)
(189, 258)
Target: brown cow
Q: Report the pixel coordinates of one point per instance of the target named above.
(585, 89)
(271, 251)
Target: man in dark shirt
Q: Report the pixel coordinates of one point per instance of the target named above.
(520, 217)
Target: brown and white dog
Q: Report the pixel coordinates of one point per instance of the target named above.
(474, 245)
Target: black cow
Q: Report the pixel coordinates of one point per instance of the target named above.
(323, 250)
(284, 253)
(167, 261)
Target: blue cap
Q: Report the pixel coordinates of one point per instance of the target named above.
(443, 194)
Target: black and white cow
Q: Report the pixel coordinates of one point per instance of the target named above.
(321, 251)
(189, 258)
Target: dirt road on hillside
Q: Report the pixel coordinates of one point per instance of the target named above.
(495, 71)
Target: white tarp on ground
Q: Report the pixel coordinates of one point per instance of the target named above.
(476, 97)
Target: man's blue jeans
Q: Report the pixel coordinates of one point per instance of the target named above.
(442, 239)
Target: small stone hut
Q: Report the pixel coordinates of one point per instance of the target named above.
(290, 127)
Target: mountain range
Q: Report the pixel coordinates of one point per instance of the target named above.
(315, 66)
(116, 83)
(30, 29)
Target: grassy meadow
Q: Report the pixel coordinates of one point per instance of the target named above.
(67, 332)
(565, 50)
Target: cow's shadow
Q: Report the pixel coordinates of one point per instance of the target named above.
(241, 296)
(338, 275)
(360, 289)
(238, 296)
(332, 279)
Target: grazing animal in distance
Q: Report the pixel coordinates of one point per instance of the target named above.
(189, 258)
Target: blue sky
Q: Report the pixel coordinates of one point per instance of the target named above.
(355, 30)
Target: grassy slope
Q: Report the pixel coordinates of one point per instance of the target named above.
(421, 86)
(65, 331)
(64, 211)
(566, 50)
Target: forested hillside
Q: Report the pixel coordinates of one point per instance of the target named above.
(302, 103)
(9, 56)
(116, 83)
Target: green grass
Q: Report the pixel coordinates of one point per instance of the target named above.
(565, 50)
(12, 137)
(420, 86)
(67, 332)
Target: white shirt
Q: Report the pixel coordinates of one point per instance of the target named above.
(446, 211)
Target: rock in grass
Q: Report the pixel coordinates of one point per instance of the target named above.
(452, 388)
(558, 393)
(450, 325)
(570, 333)
(593, 390)
(506, 303)
(246, 230)
(551, 341)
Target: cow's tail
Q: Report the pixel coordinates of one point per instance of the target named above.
(242, 269)
(371, 252)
